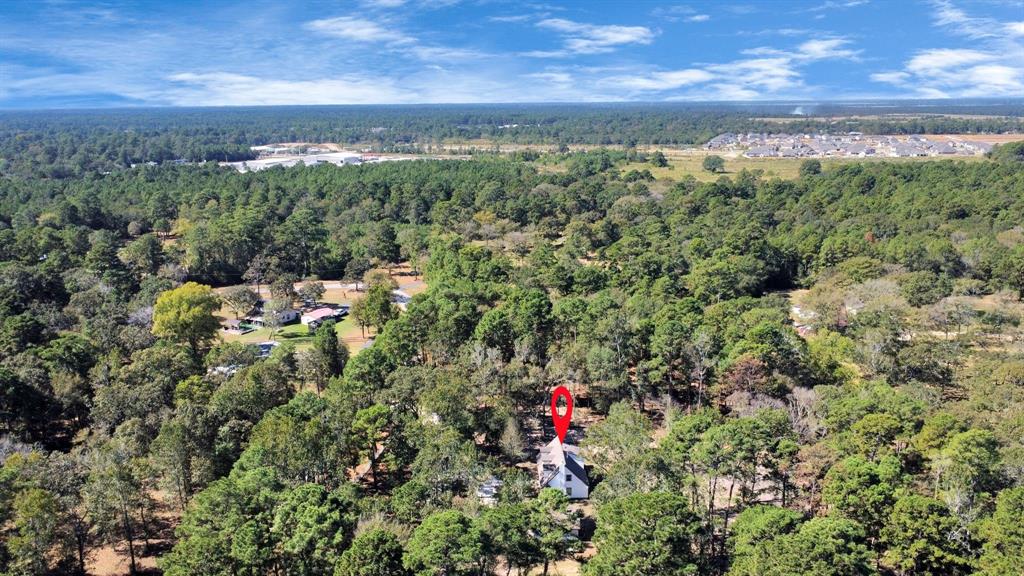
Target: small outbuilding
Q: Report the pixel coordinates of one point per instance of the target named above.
(488, 491)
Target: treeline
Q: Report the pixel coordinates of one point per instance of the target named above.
(73, 143)
(883, 436)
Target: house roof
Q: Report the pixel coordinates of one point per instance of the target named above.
(320, 313)
(565, 455)
(489, 488)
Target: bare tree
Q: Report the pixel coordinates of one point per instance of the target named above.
(257, 271)
(701, 352)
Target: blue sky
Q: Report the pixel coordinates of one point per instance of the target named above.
(67, 53)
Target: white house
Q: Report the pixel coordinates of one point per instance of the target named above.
(321, 314)
(283, 317)
(560, 466)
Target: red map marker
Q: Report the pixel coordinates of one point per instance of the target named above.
(561, 420)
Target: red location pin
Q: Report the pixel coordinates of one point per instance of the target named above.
(561, 420)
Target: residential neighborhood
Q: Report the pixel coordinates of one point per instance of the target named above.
(847, 145)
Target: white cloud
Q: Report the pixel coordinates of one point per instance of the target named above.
(894, 78)
(673, 13)
(939, 60)
(357, 30)
(993, 66)
(511, 19)
(370, 32)
(732, 92)
(769, 72)
(774, 75)
(947, 15)
(443, 53)
(837, 5)
(778, 32)
(545, 53)
(581, 38)
(817, 49)
(657, 81)
(226, 89)
(554, 77)
(698, 18)
(825, 49)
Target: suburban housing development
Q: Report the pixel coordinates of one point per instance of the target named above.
(847, 145)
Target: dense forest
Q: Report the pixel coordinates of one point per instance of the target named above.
(819, 376)
(72, 143)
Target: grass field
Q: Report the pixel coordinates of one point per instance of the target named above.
(299, 335)
(684, 163)
(337, 293)
(690, 165)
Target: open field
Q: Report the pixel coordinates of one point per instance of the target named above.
(688, 162)
(987, 138)
(891, 117)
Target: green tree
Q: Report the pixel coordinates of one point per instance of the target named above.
(919, 539)
(378, 306)
(185, 314)
(966, 473)
(241, 300)
(658, 159)
(382, 244)
(374, 553)
(924, 287)
(1011, 270)
(512, 443)
(115, 496)
(1003, 536)
(642, 534)
(810, 168)
(509, 533)
(876, 433)
(144, 254)
(413, 245)
(283, 288)
(551, 523)
(446, 543)
(329, 354)
(37, 530)
(713, 163)
(361, 314)
(314, 526)
(752, 529)
(368, 430)
(175, 454)
(303, 441)
(862, 490)
(622, 436)
(226, 529)
(273, 315)
(820, 547)
(311, 292)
